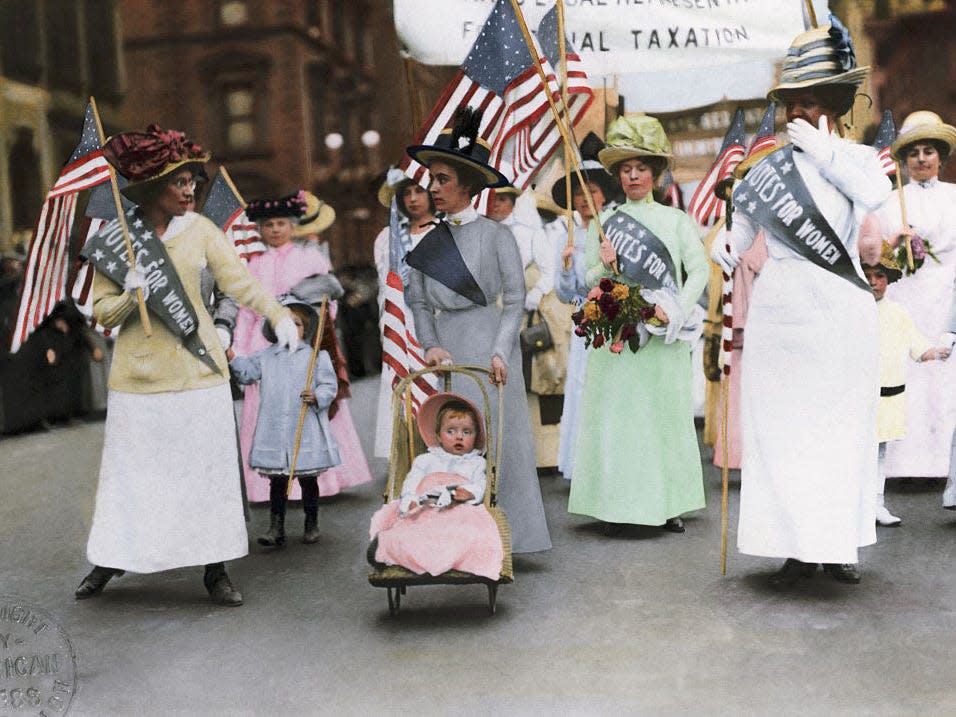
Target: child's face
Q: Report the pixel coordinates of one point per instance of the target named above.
(878, 281)
(299, 324)
(457, 434)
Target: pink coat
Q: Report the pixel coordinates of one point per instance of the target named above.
(279, 270)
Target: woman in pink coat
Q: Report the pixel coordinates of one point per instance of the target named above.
(279, 269)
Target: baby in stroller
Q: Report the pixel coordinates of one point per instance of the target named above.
(440, 523)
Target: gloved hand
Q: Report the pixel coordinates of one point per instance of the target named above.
(287, 333)
(725, 255)
(816, 142)
(225, 338)
(532, 299)
(136, 279)
(947, 340)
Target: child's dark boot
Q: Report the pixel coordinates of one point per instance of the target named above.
(310, 503)
(275, 536)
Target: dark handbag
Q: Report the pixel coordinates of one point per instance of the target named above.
(535, 338)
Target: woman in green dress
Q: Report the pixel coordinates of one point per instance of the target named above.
(637, 459)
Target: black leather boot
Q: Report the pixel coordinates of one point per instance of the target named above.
(843, 572)
(94, 583)
(310, 503)
(791, 572)
(275, 536)
(221, 589)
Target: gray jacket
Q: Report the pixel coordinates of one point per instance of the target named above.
(281, 376)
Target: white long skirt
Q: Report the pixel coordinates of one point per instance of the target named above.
(808, 416)
(169, 493)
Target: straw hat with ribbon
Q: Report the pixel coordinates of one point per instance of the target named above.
(149, 159)
(634, 137)
(318, 217)
(460, 145)
(821, 57)
(924, 126)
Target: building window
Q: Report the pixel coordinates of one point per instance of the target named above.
(233, 12)
(240, 116)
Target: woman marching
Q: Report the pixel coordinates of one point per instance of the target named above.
(570, 284)
(637, 460)
(923, 145)
(461, 270)
(300, 268)
(169, 494)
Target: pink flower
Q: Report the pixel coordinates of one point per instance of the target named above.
(617, 347)
(595, 293)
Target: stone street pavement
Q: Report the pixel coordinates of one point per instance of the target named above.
(642, 623)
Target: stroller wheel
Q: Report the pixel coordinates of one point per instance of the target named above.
(492, 597)
(394, 600)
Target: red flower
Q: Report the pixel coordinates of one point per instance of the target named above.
(628, 331)
(598, 341)
(647, 313)
(578, 316)
(580, 330)
(606, 284)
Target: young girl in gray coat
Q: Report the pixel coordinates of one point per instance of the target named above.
(281, 375)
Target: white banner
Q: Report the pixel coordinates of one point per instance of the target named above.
(618, 37)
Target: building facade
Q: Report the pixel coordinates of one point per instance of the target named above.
(54, 55)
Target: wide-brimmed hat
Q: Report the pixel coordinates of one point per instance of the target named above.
(631, 137)
(318, 217)
(923, 126)
(888, 263)
(460, 145)
(147, 159)
(389, 186)
(823, 56)
(291, 206)
(591, 169)
(428, 416)
(289, 300)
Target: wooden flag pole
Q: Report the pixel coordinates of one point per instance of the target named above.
(304, 408)
(569, 208)
(724, 473)
(899, 192)
(412, 91)
(559, 123)
(811, 13)
(121, 216)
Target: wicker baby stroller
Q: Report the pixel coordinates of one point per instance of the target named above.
(407, 443)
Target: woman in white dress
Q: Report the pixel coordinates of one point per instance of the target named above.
(922, 146)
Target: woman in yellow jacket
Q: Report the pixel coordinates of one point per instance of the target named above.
(169, 493)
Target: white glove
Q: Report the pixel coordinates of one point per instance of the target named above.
(816, 143)
(287, 333)
(136, 279)
(405, 504)
(444, 499)
(947, 340)
(726, 259)
(225, 338)
(532, 299)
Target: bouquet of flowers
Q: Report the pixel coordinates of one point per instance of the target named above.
(921, 248)
(613, 312)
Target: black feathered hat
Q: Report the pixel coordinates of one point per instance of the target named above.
(291, 206)
(461, 145)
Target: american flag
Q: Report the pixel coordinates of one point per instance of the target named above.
(401, 352)
(705, 206)
(48, 257)
(225, 208)
(885, 136)
(499, 77)
(766, 136)
(671, 191)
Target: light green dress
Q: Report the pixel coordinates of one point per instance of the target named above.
(637, 459)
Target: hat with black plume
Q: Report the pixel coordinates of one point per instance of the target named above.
(461, 145)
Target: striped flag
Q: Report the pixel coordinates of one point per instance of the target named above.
(766, 136)
(401, 352)
(48, 256)
(499, 78)
(885, 136)
(705, 207)
(225, 208)
(670, 191)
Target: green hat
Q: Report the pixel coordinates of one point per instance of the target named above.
(634, 137)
